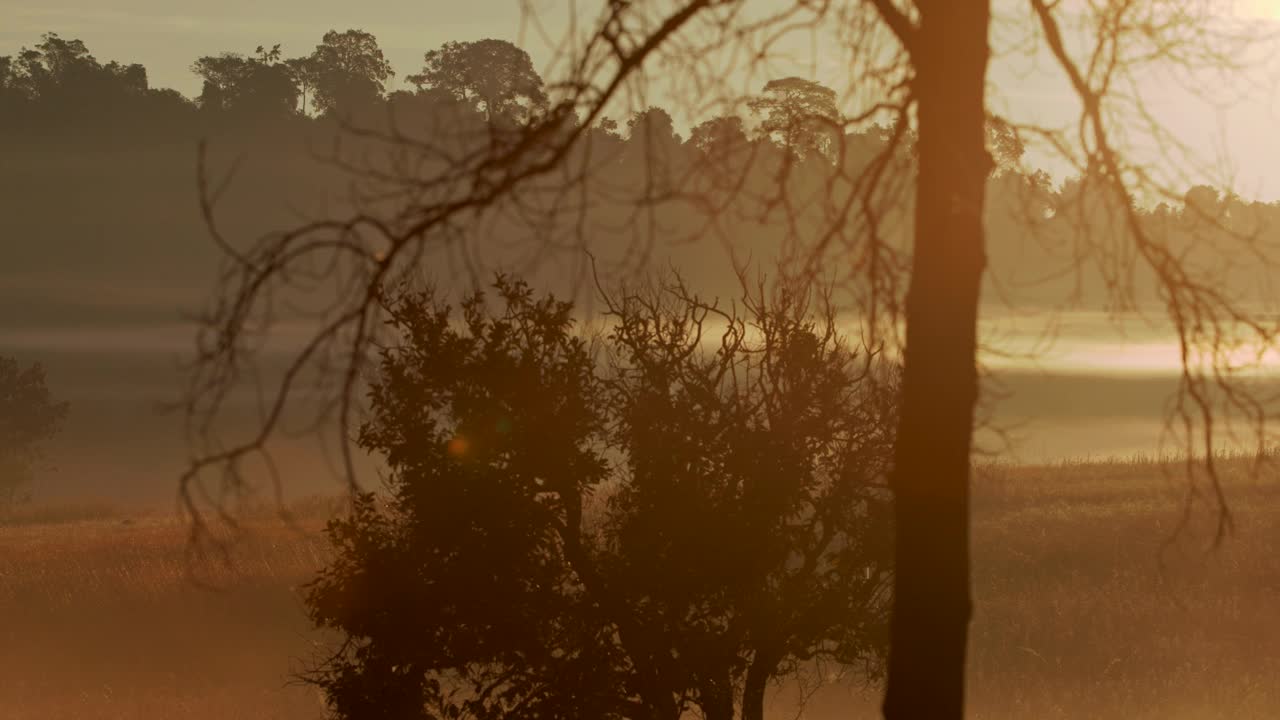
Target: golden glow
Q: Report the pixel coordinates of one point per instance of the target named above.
(458, 446)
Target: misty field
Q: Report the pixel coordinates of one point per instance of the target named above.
(1084, 609)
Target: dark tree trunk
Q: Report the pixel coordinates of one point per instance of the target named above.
(716, 700)
(931, 602)
(719, 710)
(754, 686)
(659, 705)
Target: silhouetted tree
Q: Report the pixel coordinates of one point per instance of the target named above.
(652, 152)
(800, 115)
(347, 70)
(948, 51)
(303, 72)
(669, 527)
(29, 417)
(719, 137)
(494, 75)
(14, 97)
(261, 85)
(720, 147)
(57, 68)
(59, 82)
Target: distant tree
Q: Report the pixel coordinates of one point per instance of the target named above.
(11, 92)
(494, 75)
(61, 80)
(800, 115)
(720, 147)
(303, 72)
(653, 150)
(347, 70)
(1202, 200)
(56, 67)
(609, 126)
(719, 136)
(665, 530)
(234, 82)
(29, 417)
(654, 126)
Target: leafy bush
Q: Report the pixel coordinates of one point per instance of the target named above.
(667, 518)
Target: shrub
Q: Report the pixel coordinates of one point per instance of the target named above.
(667, 518)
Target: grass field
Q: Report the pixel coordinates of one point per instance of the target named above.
(1084, 610)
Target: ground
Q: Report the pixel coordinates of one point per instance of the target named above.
(1084, 608)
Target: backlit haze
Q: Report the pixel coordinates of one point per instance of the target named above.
(1233, 134)
(1093, 391)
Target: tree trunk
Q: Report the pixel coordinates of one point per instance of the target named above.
(715, 699)
(931, 601)
(753, 688)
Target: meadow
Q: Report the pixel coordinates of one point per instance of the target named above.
(1088, 605)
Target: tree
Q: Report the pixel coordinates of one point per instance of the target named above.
(931, 596)
(721, 149)
(303, 72)
(347, 70)
(61, 81)
(29, 417)
(57, 67)
(558, 541)
(652, 150)
(253, 85)
(12, 95)
(653, 125)
(800, 115)
(494, 75)
(719, 137)
(922, 65)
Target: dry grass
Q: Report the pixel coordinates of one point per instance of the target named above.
(103, 619)
(1089, 604)
(1083, 609)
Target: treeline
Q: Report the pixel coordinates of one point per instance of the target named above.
(58, 84)
(781, 185)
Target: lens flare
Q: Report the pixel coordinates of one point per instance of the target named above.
(458, 446)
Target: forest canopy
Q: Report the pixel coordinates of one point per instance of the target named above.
(764, 180)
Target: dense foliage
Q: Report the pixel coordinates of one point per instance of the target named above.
(663, 521)
(779, 182)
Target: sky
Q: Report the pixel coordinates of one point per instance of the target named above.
(1236, 141)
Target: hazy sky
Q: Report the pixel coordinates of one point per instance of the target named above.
(167, 35)
(1238, 139)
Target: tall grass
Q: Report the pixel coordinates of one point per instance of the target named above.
(1088, 605)
(104, 619)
